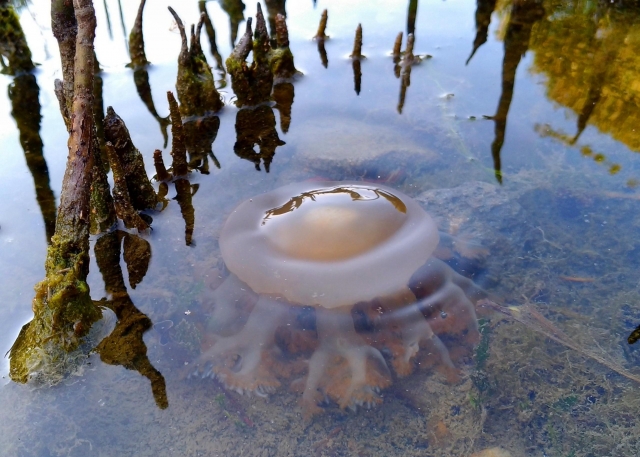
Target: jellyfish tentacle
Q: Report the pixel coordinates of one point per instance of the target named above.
(232, 303)
(245, 361)
(344, 367)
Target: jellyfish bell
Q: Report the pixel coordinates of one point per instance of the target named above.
(328, 245)
(356, 257)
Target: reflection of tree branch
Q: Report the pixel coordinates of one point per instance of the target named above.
(411, 16)
(283, 95)
(545, 131)
(13, 43)
(211, 34)
(321, 37)
(184, 196)
(484, 10)
(356, 56)
(125, 346)
(516, 43)
(257, 127)
(274, 7)
(199, 137)
(141, 80)
(405, 81)
(23, 93)
(323, 53)
(234, 8)
(402, 68)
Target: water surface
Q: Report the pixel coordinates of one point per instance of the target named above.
(528, 147)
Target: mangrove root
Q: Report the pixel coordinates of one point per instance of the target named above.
(196, 89)
(139, 187)
(58, 337)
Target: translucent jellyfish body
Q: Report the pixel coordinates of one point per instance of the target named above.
(333, 286)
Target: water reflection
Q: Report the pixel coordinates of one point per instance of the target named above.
(436, 412)
(199, 137)
(15, 55)
(256, 128)
(484, 10)
(283, 94)
(184, 196)
(125, 345)
(24, 93)
(587, 52)
(274, 7)
(141, 80)
(524, 14)
(211, 34)
(235, 10)
(321, 37)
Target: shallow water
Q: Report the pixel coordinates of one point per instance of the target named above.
(558, 81)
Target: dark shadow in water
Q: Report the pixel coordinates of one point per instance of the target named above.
(257, 128)
(106, 13)
(634, 336)
(184, 196)
(484, 10)
(124, 26)
(199, 137)
(283, 95)
(274, 7)
(405, 81)
(323, 53)
(524, 15)
(235, 10)
(403, 62)
(211, 34)
(357, 75)
(141, 79)
(13, 43)
(411, 16)
(125, 346)
(25, 104)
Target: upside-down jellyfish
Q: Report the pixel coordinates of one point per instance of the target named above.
(333, 286)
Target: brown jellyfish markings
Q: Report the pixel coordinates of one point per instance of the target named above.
(325, 279)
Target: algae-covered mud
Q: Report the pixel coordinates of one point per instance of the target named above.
(507, 327)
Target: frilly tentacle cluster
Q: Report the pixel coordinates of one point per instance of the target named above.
(345, 355)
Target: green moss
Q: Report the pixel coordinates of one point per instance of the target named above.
(51, 344)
